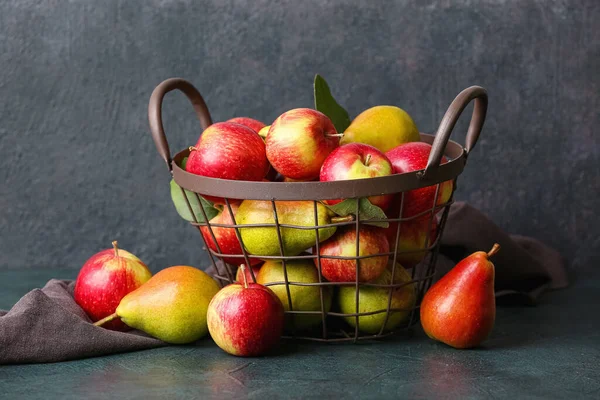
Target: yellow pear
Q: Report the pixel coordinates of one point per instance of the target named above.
(264, 241)
(383, 127)
(264, 131)
(171, 306)
(372, 299)
(303, 298)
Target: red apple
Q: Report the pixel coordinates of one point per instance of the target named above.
(413, 238)
(105, 279)
(357, 161)
(372, 241)
(299, 141)
(262, 131)
(410, 157)
(239, 275)
(251, 123)
(227, 150)
(245, 319)
(226, 237)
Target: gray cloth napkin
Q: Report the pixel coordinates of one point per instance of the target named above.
(46, 325)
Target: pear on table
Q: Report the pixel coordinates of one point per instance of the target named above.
(171, 306)
(460, 308)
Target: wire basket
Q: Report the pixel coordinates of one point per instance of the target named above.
(334, 322)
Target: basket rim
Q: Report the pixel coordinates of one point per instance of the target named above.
(315, 190)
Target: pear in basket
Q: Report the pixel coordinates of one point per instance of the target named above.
(383, 127)
(264, 241)
(373, 299)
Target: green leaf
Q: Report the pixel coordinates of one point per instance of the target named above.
(366, 211)
(325, 103)
(182, 207)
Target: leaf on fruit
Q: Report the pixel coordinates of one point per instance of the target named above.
(366, 211)
(325, 103)
(182, 206)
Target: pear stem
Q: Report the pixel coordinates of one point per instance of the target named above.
(334, 135)
(494, 250)
(106, 319)
(347, 218)
(192, 148)
(243, 267)
(367, 160)
(116, 247)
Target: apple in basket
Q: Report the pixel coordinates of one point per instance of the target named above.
(357, 161)
(410, 157)
(228, 150)
(413, 241)
(226, 238)
(372, 241)
(239, 274)
(299, 141)
(251, 123)
(105, 279)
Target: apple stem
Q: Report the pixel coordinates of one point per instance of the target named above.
(367, 160)
(192, 148)
(494, 250)
(116, 247)
(347, 218)
(106, 319)
(243, 268)
(334, 135)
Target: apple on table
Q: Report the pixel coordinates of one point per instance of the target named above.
(245, 319)
(105, 279)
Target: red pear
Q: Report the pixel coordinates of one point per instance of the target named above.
(460, 308)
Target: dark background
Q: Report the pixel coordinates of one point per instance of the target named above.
(79, 169)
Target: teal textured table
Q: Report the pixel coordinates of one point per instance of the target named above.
(548, 351)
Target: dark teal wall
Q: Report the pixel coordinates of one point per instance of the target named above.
(78, 167)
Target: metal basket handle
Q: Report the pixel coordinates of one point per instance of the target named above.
(456, 108)
(155, 112)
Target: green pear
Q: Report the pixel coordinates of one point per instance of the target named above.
(383, 127)
(303, 298)
(263, 241)
(171, 306)
(376, 299)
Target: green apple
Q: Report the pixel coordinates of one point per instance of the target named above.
(304, 298)
(376, 299)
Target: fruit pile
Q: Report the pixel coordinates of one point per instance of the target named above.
(320, 144)
(289, 277)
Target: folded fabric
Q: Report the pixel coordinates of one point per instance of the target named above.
(46, 325)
